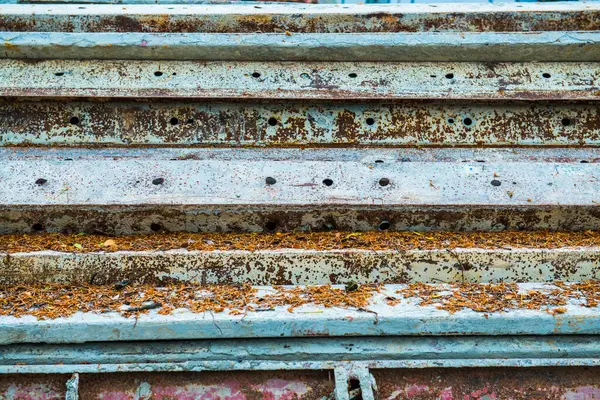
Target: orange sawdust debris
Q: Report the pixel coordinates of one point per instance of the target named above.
(400, 241)
(499, 297)
(48, 301)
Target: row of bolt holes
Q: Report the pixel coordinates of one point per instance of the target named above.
(355, 75)
(271, 225)
(350, 75)
(273, 121)
(370, 121)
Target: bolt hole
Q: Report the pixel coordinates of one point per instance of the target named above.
(158, 73)
(566, 121)
(74, 121)
(174, 73)
(450, 120)
(158, 181)
(384, 226)
(155, 227)
(174, 121)
(450, 76)
(496, 182)
(59, 73)
(327, 182)
(256, 74)
(370, 121)
(37, 227)
(468, 121)
(546, 75)
(271, 226)
(272, 121)
(384, 182)
(270, 181)
(352, 75)
(41, 181)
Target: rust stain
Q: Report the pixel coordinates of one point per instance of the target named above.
(550, 383)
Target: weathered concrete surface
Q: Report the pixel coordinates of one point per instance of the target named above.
(141, 190)
(194, 123)
(379, 319)
(299, 80)
(124, 220)
(209, 177)
(302, 354)
(304, 267)
(315, 18)
(447, 46)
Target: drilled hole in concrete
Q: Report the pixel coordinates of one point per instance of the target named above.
(370, 121)
(174, 121)
(327, 182)
(352, 75)
(468, 121)
(74, 121)
(433, 76)
(158, 181)
(272, 121)
(546, 75)
(271, 226)
(450, 120)
(41, 181)
(354, 391)
(565, 121)
(155, 227)
(270, 180)
(384, 225)
(190, 121)
(584, 161)
(384, 182)
(59, 73)
(496, 182)
(158, 73)
(450, 76)
(37, 227)
(256, 74)
(379, 161)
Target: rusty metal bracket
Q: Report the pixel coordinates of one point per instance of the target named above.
(73, 387)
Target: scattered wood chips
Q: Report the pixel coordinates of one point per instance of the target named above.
(297, 240)
(48, 301)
